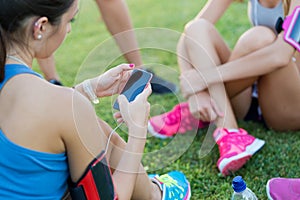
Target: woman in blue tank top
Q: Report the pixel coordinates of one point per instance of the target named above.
(51, 140)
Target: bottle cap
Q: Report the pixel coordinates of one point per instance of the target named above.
(238, 184)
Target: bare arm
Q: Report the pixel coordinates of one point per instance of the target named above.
(263, 61)
(213, 10)
(84, 139)
(258, 63)
(109, 83)
(277, 54)
(117, 19)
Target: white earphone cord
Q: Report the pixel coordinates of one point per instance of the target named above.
(110, 135)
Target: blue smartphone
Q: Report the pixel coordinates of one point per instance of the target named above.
(135, 85)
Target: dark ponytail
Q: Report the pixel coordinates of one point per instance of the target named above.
(13, 17)
(2, 54)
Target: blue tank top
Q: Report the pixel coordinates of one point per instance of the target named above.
(260, 15)
(25, 173)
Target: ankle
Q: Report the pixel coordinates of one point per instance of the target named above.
(233, 130)
(156, 192)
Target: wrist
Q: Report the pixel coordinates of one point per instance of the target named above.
(137, 138)
(137, 133)
(87, 90)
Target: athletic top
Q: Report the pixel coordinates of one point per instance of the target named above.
(26, 173)
(260, 15)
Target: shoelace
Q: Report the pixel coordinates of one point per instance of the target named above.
(236, 141)
(170, 182)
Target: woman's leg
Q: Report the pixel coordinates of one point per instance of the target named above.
(202, 47)
(240, 92)
(279, 97)
(297, 59)
(144, 187)
(279, 91)
(213, 51)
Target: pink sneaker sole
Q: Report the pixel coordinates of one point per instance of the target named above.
(268, 190)
(234, 163)
(156, 134)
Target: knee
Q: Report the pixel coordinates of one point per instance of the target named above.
(198, 26)
(255, 38)
(199, 32)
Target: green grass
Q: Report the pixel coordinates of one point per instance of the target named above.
(89, 50)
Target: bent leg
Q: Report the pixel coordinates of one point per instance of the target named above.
(144, 188)
(236, 145)
(202, 47)
(279, 91)
(240, 91)
(279, 98)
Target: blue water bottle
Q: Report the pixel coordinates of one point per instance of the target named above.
(241, 191)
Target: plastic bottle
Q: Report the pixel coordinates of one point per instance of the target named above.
(241, 191)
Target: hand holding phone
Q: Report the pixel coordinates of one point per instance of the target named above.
(135, 85)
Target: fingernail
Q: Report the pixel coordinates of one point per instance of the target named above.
(131, 65)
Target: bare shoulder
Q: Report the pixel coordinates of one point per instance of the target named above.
(48, 102)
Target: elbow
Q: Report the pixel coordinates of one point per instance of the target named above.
(282, 59)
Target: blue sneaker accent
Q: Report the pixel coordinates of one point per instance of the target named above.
(174, 185)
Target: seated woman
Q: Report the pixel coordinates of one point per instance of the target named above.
(219, 83)
(51, 135)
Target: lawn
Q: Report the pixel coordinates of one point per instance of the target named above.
(89, 50)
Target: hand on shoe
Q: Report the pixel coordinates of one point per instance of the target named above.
(203, 107)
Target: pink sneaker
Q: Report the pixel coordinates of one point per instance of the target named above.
(235, 149)
(178, 120)
(283, 188)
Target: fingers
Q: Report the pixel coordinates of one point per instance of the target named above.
(118, 117)
(216, 109)
(206, 112)
(122, 101)
(196, 115)
(143, 96)
(211, 113)
(123, 67)
(146, 93)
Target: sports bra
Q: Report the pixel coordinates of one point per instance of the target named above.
(260, 15)
(26, 173)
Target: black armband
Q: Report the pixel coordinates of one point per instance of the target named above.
(96, 183)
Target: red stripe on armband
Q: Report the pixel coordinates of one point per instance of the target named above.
(96, 183)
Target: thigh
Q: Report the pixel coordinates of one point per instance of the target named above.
(143, 187)
(252, 40)
(297, 59)
(115, 144)
(240, 91)
(203, 45)
(279, 97)
(241, 103)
